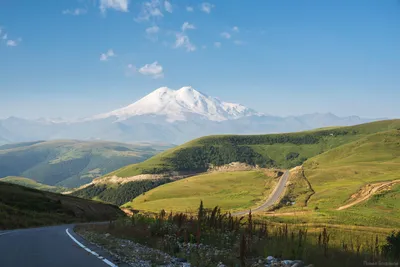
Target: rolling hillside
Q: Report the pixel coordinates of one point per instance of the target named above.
(272, 150)
(32, 184)
(70, 163)
(25, 207)
(336, 187)
(228, 190)
(278, 150)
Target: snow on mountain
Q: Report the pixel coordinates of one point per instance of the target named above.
(177, 105)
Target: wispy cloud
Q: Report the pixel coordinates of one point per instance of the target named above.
(182, 40)
(187, 26)
(235, 29)
(226, 35)
(155, 70)
(217, 44)
(13, 42)
(206, 7)
(150, 9)
(75, 12)
(106, 56)
(119, 5)
(239, 42)
(151, 32)
(6, 40)
(189, 9)
(168, 6)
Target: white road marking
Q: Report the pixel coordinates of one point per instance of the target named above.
(109, 263)
(5, 233)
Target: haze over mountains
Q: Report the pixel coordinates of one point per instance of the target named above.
(166, 115)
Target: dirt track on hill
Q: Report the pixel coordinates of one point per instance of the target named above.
(366, 192)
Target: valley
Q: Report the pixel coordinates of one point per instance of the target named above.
(70, 163)
(333, 190)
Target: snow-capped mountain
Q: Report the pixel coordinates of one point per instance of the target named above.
(179, 105)
(166, 115)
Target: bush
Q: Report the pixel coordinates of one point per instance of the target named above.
(391, 250)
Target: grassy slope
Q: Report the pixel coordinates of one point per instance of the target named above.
(339, 173)
(325, 139)
(69, 163)
(228, 190)
(32, 184)
(25, 207)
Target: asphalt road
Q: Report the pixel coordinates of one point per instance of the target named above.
(48, 247)
(273, 198)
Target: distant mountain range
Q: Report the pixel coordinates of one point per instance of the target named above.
(166, 115)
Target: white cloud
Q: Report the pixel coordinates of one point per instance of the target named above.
(154, 69)
(75, 12)
(189, 9)
(226, 35)
(235, 29)
(151, 33)
(119, 5)
(239, 42)
(168, 6)
(187, 26)
(183, 40)
(13, 42)
(206, 7)
(105, 56)
(150, 9)
(6, 40)
(217, 44)
(152, 30)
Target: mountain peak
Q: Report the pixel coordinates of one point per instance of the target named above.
(177, 105)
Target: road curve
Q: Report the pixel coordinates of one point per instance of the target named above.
(47, 247)
(272, 199)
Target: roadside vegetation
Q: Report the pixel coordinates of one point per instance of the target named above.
(212, 238)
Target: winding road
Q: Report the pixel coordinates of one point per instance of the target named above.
(273, 197)
(55, 246)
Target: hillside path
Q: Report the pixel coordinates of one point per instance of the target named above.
(364, 194)
(273, 197)
(49, 247)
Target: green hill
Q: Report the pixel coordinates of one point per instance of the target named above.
(271, 150)
(337, 177)
(25, 207)
(32, 184)
(228, 190)
(70, 163)
(340, 172)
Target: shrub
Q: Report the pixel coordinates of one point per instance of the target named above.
(392, 249)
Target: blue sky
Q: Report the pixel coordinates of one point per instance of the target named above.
(76, 58)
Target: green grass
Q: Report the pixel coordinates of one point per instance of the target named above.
(26, 207)
(318, 141)
(228, 190)
(32, 184)
(70, 163)
(341, 172)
